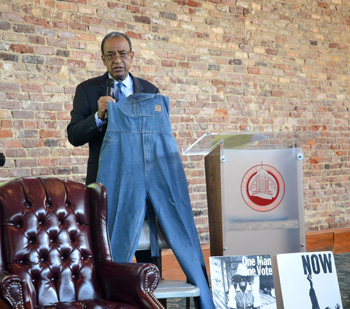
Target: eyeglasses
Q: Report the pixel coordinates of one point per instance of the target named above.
(123, 54)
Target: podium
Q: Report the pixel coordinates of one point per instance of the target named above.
(254, 191)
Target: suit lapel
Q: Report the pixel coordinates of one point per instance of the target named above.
(138, 88)
(102, 86)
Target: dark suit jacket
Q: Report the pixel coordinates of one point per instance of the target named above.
(82, 128)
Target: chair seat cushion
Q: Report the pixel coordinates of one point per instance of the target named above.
(88, 304)
(175, 288)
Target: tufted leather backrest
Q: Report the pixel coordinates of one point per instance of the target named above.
(48, 231)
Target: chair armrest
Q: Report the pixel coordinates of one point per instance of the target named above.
(14, 291)
(132, 283)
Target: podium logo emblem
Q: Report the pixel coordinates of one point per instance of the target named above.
(262, 187)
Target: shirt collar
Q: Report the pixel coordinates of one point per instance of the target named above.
(128, 82)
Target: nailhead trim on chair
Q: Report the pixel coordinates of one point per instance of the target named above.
(149, 291)
(21, 306)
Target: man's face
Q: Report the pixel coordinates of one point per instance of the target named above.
(117, 57)
(243, 283)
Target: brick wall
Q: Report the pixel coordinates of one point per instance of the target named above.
(227, 65)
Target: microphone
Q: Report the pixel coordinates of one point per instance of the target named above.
(110, 91)
(110, 87)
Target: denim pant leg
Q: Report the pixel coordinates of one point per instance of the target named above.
(121, 170)
(124, 179)
(167, 189)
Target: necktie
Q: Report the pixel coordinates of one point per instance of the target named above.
(119, 93)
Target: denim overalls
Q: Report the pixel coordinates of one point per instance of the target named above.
(139, 162)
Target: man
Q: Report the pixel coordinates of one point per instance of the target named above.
(88, 124)
(167, 194)
(242, 294)
(88, 117)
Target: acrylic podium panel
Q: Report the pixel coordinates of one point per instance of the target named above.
(254, 191)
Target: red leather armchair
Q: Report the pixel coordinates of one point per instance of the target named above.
(55, 252)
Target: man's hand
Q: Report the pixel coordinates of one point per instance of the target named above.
(103, 106)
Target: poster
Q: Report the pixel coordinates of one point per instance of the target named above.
(309, 280)
(242, 282)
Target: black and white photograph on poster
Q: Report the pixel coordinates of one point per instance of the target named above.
(242, 282)
(309, 280)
